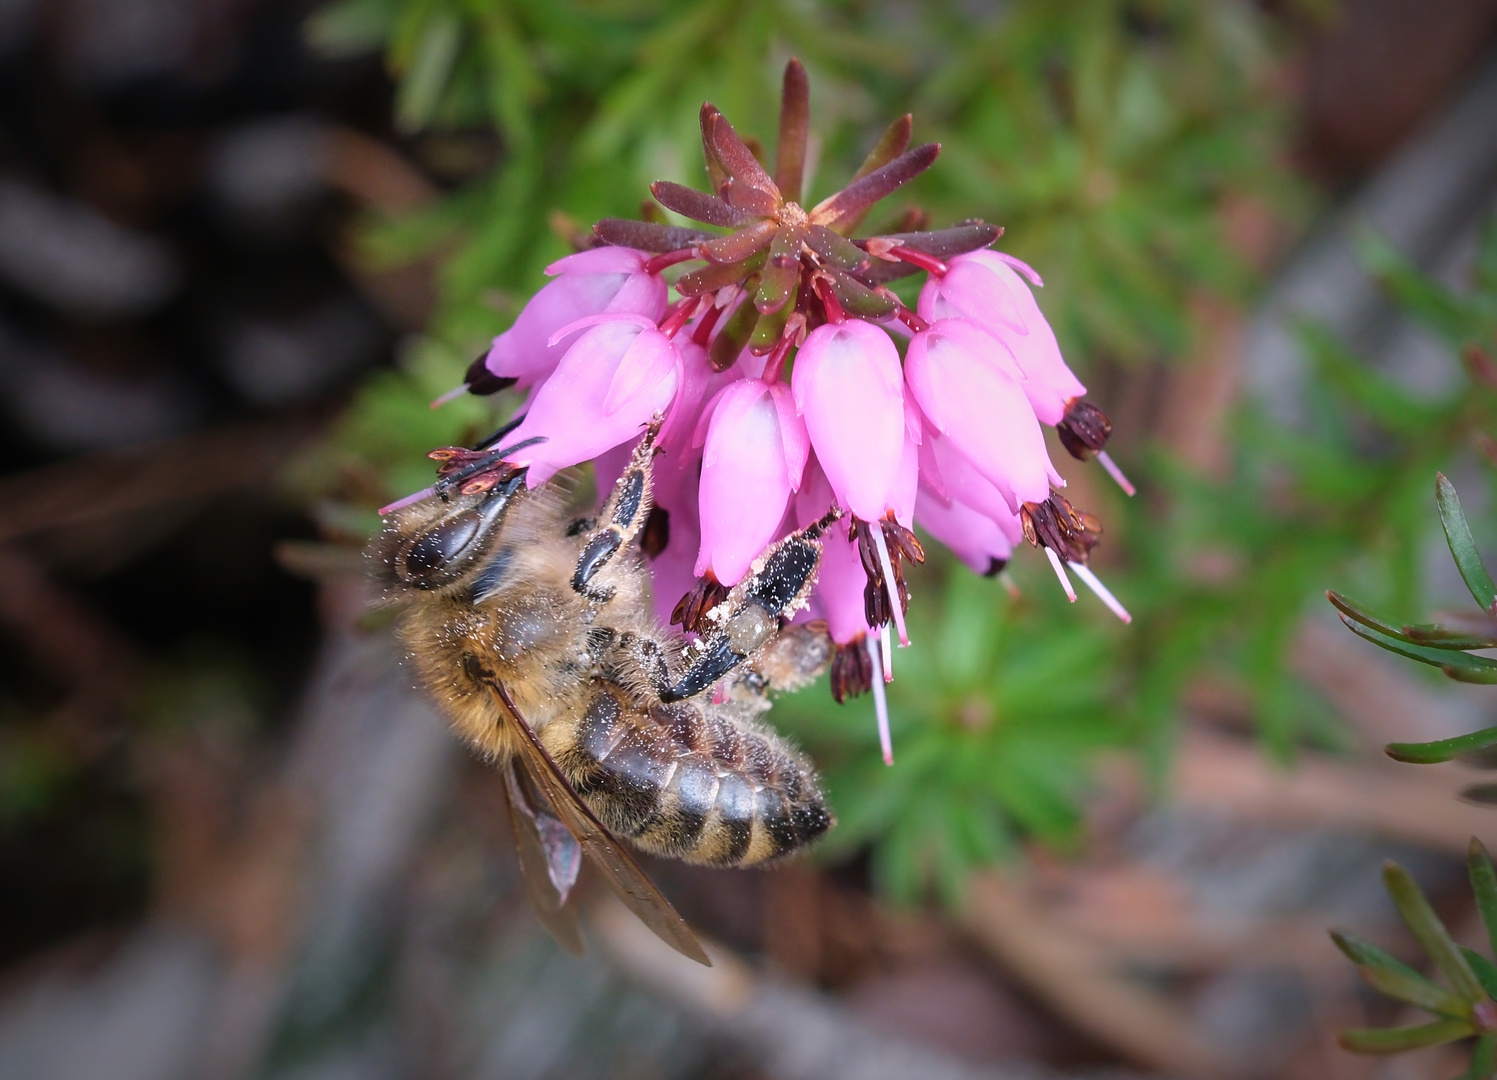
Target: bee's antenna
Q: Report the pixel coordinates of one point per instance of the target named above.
(490, 440)
(459, 466)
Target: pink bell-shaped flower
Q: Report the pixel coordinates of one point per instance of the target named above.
(849, 388)
(673, 571)
(606, 389)
(968, 387)
(840, 580)
(985, 288)
(605, 279)
(976, 539)
(753, 459)
(907, 475)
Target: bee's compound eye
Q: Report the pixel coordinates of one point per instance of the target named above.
(438, 546)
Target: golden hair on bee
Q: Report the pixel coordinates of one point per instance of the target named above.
(536, 635)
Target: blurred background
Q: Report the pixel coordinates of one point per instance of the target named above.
(244, 242)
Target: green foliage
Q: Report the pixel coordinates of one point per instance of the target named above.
(1230, 567)
(1466, 1007)
(995, 713)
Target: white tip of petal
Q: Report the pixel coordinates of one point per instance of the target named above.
(1060, 572)
(1115, 472)
(1103, 592)
(401, 504)
(880, 702)
(451, 395)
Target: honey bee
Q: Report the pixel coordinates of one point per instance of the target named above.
(536, 635)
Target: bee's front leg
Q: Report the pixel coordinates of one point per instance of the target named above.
(754, 610)
(619, 522)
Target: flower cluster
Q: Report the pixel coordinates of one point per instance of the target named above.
(789, 379)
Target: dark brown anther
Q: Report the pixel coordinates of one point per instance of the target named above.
(481, 381)
(903, 541)
(876, 602)
(1059, 526)
(692, 608)
(852, 670)
(657, 532)
(995, 567)
(902, 544)
(1084, 429)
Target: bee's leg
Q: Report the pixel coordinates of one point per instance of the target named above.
(620, 520)
(753, 611)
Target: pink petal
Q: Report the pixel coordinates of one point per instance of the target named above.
(984, 287)
(848, 386)
(797, 444)
(745, 481)
(907, 477)
(839, 585)
(525, 351)
(600, 260)
(972, 537)
(649, 361)
(568, 409)
(975, 404)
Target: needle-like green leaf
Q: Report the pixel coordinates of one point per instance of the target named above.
(1389, 975)
(1462, 673)
(1431, 635)
(1427, 927)
(1483, 1060)
(1429, 753)
(1397, 1040)
(1456, 664)
(1463, 545)
(1485, 970)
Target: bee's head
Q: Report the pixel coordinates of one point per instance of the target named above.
(431, 544)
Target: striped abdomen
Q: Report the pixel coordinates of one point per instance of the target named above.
(693, 783)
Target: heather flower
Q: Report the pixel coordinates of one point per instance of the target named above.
(777, 388)
(611, 382)
(602, 280)
(848, 386)
(971, 391)
(983, 543)
(988, 288)
(753, 457)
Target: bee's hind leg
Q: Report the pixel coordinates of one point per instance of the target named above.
(619, 522)
(753, 611)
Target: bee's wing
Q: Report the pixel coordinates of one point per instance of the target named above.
(619, 868)
(549, 858)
